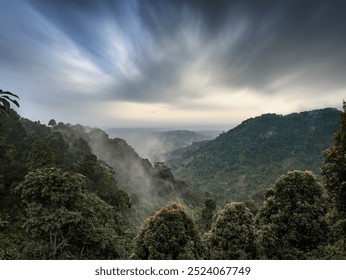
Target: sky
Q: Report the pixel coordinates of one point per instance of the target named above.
(161, 63)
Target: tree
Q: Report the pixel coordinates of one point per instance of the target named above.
(52, 122)
(40, 155)
(291, 223)
(163, 171)
(334, 171)
(232, 235)
(101, 180)
(208, 213)
(168, 235)
(58, 146)
(12, 171)
(63, 222)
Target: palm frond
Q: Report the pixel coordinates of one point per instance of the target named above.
(9, 93)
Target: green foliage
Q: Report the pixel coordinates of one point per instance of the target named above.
(168, 235)
(208, 213)
(63, 222)
(40, 155)
(155, 186)
(31, 146)
(232, 235)
(334, 171)
(291, 223)
(12, 131)
(12, 171)
(335, 248)
(60, 149)
(101, 180)
(72, 203)
(252, 155)
(162, 171)
(334, 168)
(79, 148)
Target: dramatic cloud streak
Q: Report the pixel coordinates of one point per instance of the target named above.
(157, 63)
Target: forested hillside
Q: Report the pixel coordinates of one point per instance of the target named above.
(250, 157)
(149, 186)
(179, 138)
(71, 192)
(57, 200)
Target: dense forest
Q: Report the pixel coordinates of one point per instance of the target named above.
(242, 162)
(72, 192)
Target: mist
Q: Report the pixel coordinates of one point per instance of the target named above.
(155, 143)
(149, 187)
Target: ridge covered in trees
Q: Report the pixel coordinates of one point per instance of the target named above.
(71, 192)
(241, 162)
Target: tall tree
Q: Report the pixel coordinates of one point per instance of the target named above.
(334, 171)
(291, 222)
(232, 236)
(168, 235)
(63, 222)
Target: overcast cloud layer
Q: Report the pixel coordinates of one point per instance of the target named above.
(171, 63)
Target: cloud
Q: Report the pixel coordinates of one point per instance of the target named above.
(179, 58)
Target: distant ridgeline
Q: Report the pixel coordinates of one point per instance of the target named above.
(243, 161)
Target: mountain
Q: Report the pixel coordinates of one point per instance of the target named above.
(28, 145)
(149, 186)
(154, 144)
(180, 151)
(177, 139)
(250, 157)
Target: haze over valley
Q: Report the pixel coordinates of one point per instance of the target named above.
(155, 143)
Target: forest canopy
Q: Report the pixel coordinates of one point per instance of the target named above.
(71, 192)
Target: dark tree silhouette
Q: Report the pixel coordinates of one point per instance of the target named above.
(52, 122)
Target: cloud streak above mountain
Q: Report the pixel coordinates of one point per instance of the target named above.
(170, 63)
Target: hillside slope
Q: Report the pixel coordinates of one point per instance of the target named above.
(149, 186)
(251, 156)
